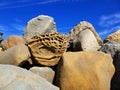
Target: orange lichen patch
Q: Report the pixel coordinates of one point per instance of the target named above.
(20, 76)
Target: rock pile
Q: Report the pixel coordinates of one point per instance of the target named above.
(15, 78)
(44, 59)
(112, 47)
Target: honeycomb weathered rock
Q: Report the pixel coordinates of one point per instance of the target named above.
(47, 48)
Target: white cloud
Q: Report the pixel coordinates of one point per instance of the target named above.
(108, 31)
(2, 4)
(17, 4)
(18, 27)
(18, 24)
(3, 28)
(26, 3)
(104, 32)
(110, 23)
(49, 1)
(109, 20)
(14, 29)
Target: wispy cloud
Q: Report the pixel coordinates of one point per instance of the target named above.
(5, 30)
(18, 24)
(8, 31)
(110, 23)
(108, 31)
(16, 2)
(26, 3)
(16, 28)
(49, 1)
(2, 4)
(109, 20)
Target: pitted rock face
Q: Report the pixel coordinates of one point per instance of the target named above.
(47, 48)
(74, 33)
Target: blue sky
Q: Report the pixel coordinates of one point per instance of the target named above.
(103, 14)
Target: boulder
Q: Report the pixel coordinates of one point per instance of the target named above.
(86, 41)
(74, 33)
(12, 41)
(1, 38)
(1, 49)
(113, 48)
(45, 72)
(84, 71)
(47, 49)
(39, 25)
(115, 82)
(16, 55)
(114, 36)
(16, 78)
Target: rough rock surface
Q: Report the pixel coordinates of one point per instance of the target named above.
(115, 82)
(86, 41)
(47, 49)
(16, 55)
(115, 36)
(1, 38)
(113, 48)
(74, 33)
(0, 49)
(15, 78)
(85, 71)
(39, 25)
(44, 72)
(12, 41)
